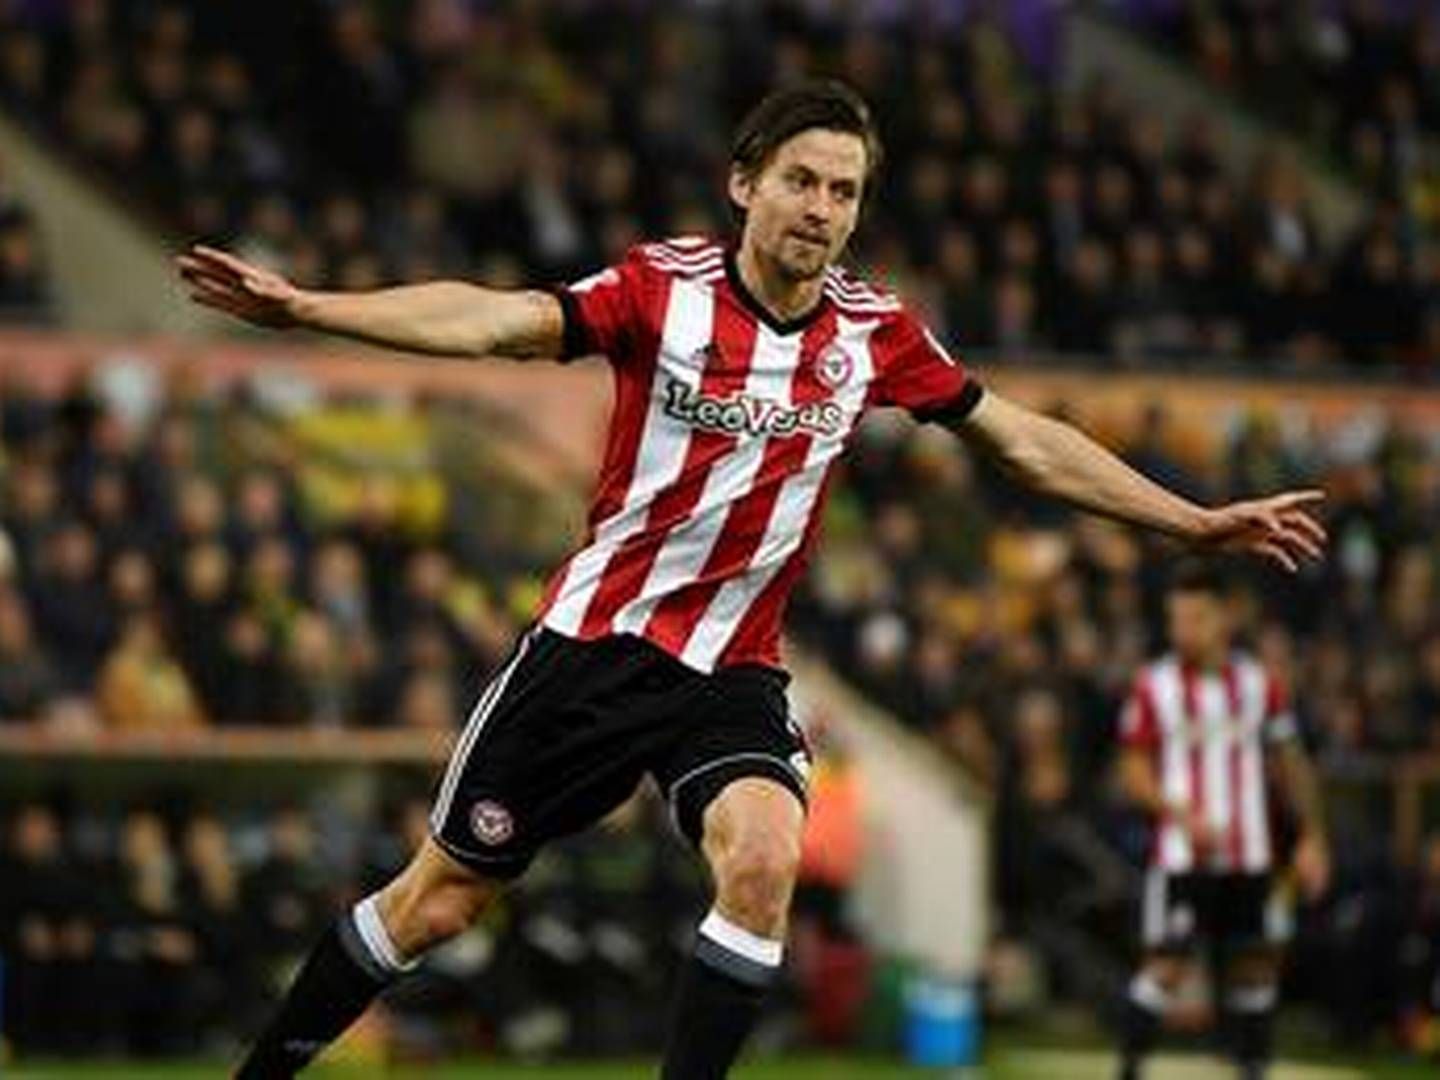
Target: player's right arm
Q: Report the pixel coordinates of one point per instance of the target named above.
(1139, 777)
(1140, 783)
(441, 318)
(1302, 787)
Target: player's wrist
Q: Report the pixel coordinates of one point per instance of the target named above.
(1199, 523)
(306, 307)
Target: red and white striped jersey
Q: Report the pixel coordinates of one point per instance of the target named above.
(1208, 732)
(725, 429)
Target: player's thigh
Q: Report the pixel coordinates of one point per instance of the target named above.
(558, 739)
(738, 728)
(1254, 919)
(1173, 912)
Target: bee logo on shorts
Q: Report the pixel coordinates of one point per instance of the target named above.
(491, 823)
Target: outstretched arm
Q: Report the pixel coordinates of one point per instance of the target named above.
(443, 318)
(1054, 458)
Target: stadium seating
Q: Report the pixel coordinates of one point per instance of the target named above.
(358, 144)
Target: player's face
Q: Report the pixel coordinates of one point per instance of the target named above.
(802, 206)
(1199, 627)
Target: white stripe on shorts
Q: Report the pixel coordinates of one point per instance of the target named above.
(1152, 918)
(478, 716)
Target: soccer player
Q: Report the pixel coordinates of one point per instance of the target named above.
(1201, 730)
(741, 371)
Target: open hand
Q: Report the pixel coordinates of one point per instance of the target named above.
(1312, 867)
(1279, 528)
(219, 280)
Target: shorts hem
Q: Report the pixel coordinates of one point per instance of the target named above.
(506, 867)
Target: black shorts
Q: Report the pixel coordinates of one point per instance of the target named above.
(567, 729)
(1235, 910)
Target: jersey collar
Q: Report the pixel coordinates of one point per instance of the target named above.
(759, 310)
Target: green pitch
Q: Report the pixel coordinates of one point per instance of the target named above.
(810, 1069)
(1007, 1065)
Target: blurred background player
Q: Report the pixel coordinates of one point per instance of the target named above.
(1203, 729)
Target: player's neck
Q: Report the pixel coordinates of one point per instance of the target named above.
(1207, 661)
(784, 297)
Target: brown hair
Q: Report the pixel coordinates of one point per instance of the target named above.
(1194, 575)
(783, 114)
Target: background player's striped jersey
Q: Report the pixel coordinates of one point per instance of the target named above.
(1208, 732)
(725, 429)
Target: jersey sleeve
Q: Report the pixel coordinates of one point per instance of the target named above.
(601, 311)
(1139, 724)
(1280, 725)
(918, 374)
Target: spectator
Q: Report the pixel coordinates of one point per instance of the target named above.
(46, 933)
(142, 687)
(157, 947)
(224, 986)
(284, 898)
(318, 688)
(71, 607)
(31, 509)
(1084, 311)
(27, 681)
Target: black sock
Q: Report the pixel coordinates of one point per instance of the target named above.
(1144, 1013)
(343, 974)
(722, 991)
(1250, 1025)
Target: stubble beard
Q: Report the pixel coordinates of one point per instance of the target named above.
(798, 271)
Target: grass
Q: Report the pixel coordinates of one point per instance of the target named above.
(1005, 1064)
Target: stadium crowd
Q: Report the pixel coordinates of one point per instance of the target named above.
(184, 568)
(1361, 79)
(173, 572)
(359, 143)
(184, 919)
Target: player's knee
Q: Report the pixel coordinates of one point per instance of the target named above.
(1167, 973)
(1253, 973)
(755, 875)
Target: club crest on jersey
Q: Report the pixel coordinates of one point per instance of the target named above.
(491, 823)
(834, 368)
(706, 355)
(743, 413)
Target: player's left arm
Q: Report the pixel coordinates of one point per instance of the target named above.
(1057, 459)
(1302, 791)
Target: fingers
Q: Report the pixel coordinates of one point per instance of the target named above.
(1289, 500)
(1276, 553)
(1303, 522)
(216, 304)
(192, 264)
(215, 257)
(1296, 537)
(220, 302)
(209, 284)
(221, 297)
(198, 276)
(1284, 522)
